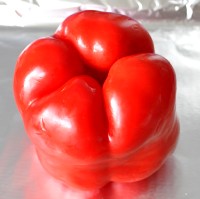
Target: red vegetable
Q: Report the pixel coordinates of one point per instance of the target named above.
(96, 101)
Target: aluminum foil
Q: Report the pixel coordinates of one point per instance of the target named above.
(45, 12)
(175, 29)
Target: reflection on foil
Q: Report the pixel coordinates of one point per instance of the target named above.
(44, 186)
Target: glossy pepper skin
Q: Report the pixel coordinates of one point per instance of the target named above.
(98, 105)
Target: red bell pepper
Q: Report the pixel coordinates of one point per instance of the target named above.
(96, 101)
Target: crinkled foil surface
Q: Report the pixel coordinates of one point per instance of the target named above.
(175, 29)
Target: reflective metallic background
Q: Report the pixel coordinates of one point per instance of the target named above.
(21, 176)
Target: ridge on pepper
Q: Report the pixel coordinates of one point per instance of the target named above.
(96, 100)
